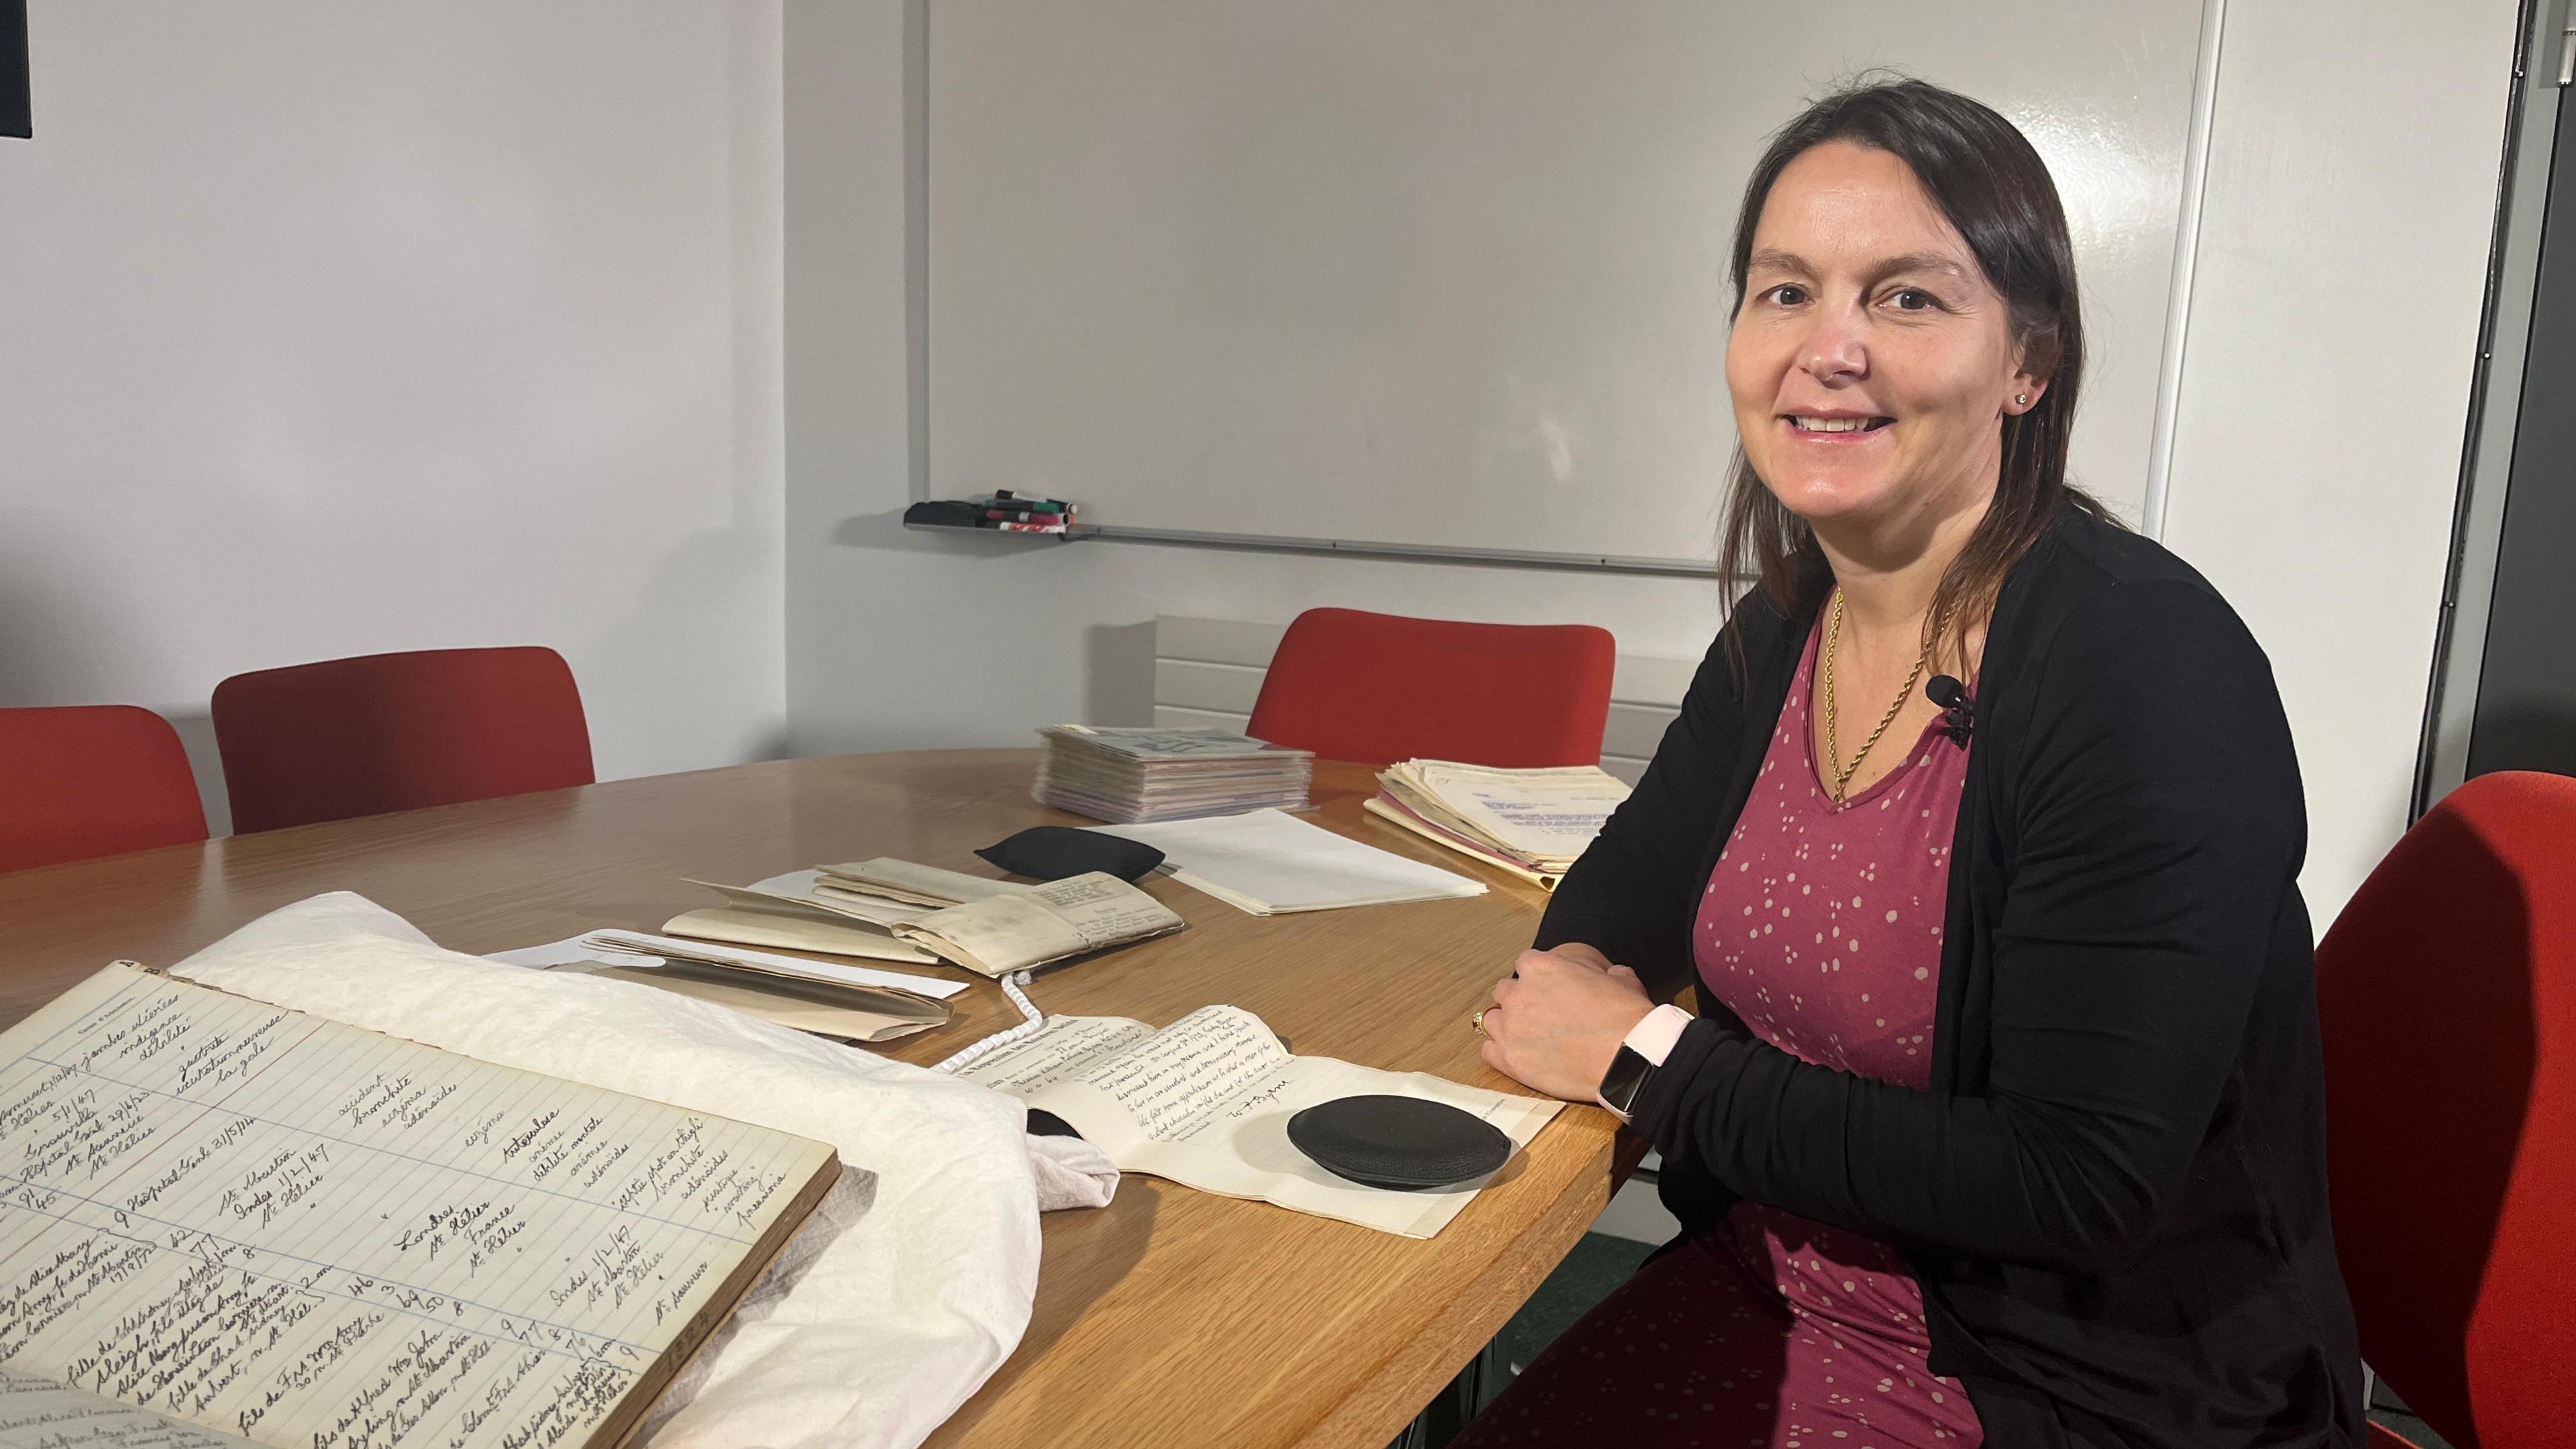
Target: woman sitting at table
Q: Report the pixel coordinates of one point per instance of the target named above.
(2003, 1118)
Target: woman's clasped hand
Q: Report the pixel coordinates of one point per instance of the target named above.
(1558, 1019)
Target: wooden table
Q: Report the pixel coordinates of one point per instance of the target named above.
(1171, 1317)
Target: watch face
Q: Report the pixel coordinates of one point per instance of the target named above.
(1625, 1079)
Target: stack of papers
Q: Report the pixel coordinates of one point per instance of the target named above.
(839, 910)
(1533, 823)
(1035, 926)
(792, 914)
(871, 888)
(1270, 863)
(1136, 775)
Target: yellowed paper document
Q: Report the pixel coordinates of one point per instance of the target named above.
(318, 1237)
(1206, 1102)
(1042, 923)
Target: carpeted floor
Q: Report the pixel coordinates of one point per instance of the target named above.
(1598, 1264)
(2387, 1409)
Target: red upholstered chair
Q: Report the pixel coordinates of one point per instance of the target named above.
(396, 732)
(1378, 688)
(2447, 994)
(92, 780)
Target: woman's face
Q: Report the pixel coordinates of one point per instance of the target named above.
(1871, 362)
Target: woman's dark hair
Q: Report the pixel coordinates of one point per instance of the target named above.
(1991, 185)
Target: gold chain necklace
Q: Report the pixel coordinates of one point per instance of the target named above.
(1834, 766)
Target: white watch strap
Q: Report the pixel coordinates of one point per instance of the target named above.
(1652, 1039)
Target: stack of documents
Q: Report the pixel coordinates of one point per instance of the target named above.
(1135, 775)
(854, 1003)
(1037, 925)
(1271, 863)
(1533, 823)
(892, 892)
(839, 910)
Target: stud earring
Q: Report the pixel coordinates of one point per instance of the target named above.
(2021, 399)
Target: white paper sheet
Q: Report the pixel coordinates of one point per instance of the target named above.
(646, 947)
(1269, 862)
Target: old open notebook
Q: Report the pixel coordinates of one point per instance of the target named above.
(225, 1221)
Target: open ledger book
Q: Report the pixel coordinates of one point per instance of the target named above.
(1206, 1102)
(231, 1223)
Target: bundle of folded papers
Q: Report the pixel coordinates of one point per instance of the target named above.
(1042, 924)
(896, 910)
(1128, 776)
(1532, 823)
(851, 1003)
(838, 910)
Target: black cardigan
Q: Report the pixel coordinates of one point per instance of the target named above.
(2113, 1190)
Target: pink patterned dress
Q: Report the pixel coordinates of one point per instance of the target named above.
(1821, 928)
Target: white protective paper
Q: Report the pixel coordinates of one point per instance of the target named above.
(895, 1323)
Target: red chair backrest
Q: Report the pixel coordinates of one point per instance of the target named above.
(92, 780)
(396, 732)
(1378, 688)
(2447, 995)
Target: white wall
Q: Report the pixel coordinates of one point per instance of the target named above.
(2331, 343)
(2331, 336)
(334, 329)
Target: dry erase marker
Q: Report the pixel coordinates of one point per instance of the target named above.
(1006, 498)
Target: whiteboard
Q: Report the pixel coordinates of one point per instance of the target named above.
(1452, 273)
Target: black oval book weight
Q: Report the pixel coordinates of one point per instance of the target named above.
(1406, 1143)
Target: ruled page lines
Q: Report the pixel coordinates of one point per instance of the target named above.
(319, 1237)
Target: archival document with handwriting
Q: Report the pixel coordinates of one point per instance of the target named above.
(224, 1221)
(1206, 1102)
(1042, 924)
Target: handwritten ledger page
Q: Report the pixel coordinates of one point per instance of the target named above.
(37, 1413)
(1206, 1102)
(316, 1237)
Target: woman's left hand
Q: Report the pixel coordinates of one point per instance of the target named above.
(1556, 1023)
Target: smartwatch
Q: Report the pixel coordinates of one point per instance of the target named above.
(1626, 1081)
